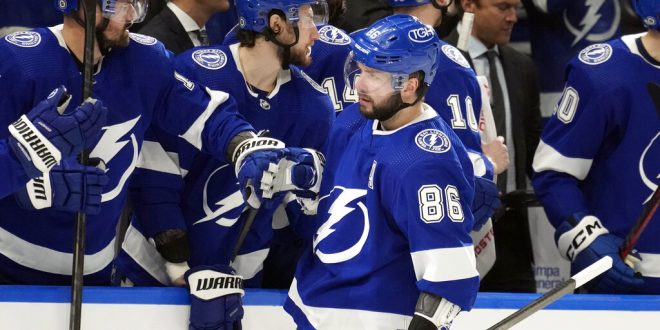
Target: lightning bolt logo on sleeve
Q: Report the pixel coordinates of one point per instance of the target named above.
(231, 202)
(110, 145)
(338, 212)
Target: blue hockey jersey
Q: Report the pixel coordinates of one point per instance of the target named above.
(600, 152)
(559, 30)
(139, 86)
(199, 194)
(329, 55)
(393, 220)
(456, 96)
(327, 67)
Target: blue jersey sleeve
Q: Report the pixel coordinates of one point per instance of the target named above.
(205, 118)
(13, 175)
(565, 154)
(157, 184)
(15, 100)
(430, 203)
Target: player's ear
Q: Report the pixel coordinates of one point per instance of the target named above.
(276, 23)
(409, 91)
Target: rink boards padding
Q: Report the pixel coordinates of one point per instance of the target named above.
(37, 307)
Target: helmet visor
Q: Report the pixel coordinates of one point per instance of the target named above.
(125, 11)
(311, 15)
(364, 79)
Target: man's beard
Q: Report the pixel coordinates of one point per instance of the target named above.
(385, 110)
(298, 56)
(120, 41)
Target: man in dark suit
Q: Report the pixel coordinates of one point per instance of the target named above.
(515, 103)
(181, 24)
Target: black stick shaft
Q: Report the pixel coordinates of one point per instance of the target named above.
(249, 216)
(75, 312)
(643, 220)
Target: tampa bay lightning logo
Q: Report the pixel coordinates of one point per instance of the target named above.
(212, 59)
(349, 215)
(332, 35)
(142, 39)
(112, 149)
(595, 54)
(421, 35)
(25, 39)
(593, 21)
(227, 201)
(649, 165)
(455, 55)
(433, 140)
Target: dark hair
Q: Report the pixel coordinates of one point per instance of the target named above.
(247, 38)
(421, 90)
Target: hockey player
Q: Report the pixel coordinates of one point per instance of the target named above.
(134, 77)
(192, 208)
(393, 248)
(598, 160)
(41, 138)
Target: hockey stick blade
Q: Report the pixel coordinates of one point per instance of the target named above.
(75, 310)
(551, 296)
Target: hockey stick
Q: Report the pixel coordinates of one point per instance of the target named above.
(89, 8)
(569, 286)
(643, 220)
(652, 205)
(247, 218)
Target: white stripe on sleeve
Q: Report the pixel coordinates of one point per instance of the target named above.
(548, 158)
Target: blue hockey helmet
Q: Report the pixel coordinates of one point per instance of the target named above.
(110, 8)
(253, 14)
(649, 12)
(398, 44)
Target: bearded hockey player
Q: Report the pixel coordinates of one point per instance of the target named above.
(135, 79)
(393, 248)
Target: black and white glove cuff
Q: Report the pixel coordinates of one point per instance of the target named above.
(575, 240)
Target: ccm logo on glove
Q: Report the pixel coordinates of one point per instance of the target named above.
(578, 238)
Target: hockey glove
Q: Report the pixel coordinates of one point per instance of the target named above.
(306, 170)
(266, 170)
(45, 135)
(215, 298)
(485, 202)
(584, 243)
(68, 187)
(433, 312)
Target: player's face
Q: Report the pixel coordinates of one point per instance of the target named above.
(301, 52)
(116, 32)
(493, 20)
(378, 100)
